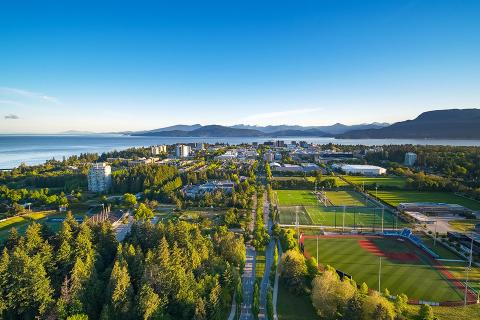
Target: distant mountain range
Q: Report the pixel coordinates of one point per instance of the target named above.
(439, 124)
(241, 130)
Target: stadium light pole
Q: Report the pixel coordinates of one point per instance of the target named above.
(383, 209)
(343, 219)
(435, 237)
(317, 248)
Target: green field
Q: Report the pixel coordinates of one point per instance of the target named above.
(465, 225)
(288, 215)
(345, 198)
(371, 182)
(296, 198)
(359, 217)
(416, 278)
(393, 198)
(294, 307)
(340, 182)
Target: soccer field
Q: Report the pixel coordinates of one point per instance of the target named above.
(371, 182)
(355, 217)
(345, 198)
(393, 198)
(405, 268)
(296, 198)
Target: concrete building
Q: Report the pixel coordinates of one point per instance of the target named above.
(156, 150)
(182, 151)
(410, 159)
(268, 156)
(433, 208)
(280, 144)
(99, 177)
(365, 170)
(278, 156)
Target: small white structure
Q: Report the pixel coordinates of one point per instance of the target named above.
(156, 150)
(99, 177)
(362, 169)
(410, 158)
(182, 151)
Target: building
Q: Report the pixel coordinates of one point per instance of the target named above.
(280, 144)
(156, 150)
(278, 156)
(192, 191)
(99, 177)
(410, 159)
(362, 169)
(304, 144)
(433, 208)
(268, 156)
(182, 151)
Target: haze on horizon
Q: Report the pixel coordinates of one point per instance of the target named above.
(110, 66)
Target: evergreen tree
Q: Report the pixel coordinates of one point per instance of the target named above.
(120, 291)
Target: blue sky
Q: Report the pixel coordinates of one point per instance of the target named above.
(118, 65)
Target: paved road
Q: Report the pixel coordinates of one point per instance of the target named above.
(248, 281)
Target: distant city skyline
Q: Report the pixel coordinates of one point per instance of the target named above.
(109, 66)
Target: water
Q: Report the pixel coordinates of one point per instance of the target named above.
(35, 149)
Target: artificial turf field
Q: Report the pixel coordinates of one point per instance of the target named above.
(393, 198)
(371, 182)
(345, 198)
(296, 198)
(405, 268)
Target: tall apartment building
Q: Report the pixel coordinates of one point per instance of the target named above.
(268, 156)
(410, 159)
(182, 151)
(99, 177)
(156, 150)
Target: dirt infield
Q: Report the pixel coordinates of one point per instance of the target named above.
(398, 256)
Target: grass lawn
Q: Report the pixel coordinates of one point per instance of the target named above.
(354, 217)
(370, 182)
(412, 276)
(345, 198)
(464, 225)
(395, 197)
(260, 261)
(296, 198)
(438, 248)
(450, 313)
(293, 307)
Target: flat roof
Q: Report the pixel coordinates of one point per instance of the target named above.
(361, 167)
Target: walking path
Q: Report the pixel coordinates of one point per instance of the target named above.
(275, 286)
(233, 310)
(248, 277)
(268, 261)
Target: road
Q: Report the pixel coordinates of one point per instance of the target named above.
(248, 281)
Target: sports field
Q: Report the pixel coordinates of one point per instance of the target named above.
(371, 182)
(345, 198)
(405, 268)
(296, 198)
(355, 217)
(395, 197)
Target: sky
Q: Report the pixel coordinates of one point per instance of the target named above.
(133, 65)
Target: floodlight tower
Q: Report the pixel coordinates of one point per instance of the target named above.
(468, 270)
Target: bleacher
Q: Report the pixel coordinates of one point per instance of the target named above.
(407, 234)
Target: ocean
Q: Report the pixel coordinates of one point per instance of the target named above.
(36, 149)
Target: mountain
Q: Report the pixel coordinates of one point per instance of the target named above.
(204, 131)
(178, 127)
(437, 124)
(337, 128)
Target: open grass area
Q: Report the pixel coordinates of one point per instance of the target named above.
(465, 225)
(293, 307)
(288, 215)
(345, 198)
(395, 197)
(296, 198)
(405, 269)
(359, 217)
(371, 182)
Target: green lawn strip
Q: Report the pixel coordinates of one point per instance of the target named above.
(417, 280)
(296, 197)
(293, 307)
(260, 264)
(438, 248)
(449, 313)
(11, 222)
(395, 197)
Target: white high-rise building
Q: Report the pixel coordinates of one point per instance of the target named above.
(182, 151)
(410, 159)
(99, 177)
(156, 150)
